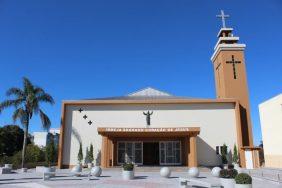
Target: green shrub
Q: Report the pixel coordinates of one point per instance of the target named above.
(243, 178)
(228, 173)
(224, 154)
(34, 154)
(235, 157)
(80, 154)
(128, 166)
(91, 157)
(5, 160)
(230, 166)
(50, 153)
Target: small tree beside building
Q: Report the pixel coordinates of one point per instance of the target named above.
(50, 154)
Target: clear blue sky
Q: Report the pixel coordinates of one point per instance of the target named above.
(86, 49)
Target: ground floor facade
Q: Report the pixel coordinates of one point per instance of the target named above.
(146, 146)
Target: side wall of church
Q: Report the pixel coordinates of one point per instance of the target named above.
(217, 122)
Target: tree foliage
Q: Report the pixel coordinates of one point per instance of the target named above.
(224, 154)
(91, 157)
(80, 154)
(27, 102)
(11, 139)
(235, 157)
(50, 152)
(34, 154)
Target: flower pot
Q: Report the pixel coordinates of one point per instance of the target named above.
(76, 170)
(8, 166)
(48, 169)
(96, 171)
(243, 185)
(89, 165)
(24, 169)
(237, 167)
(227, 182)
(127, 175)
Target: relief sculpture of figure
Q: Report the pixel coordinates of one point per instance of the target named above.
(148, 117)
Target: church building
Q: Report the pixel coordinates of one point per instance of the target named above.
(152, 127)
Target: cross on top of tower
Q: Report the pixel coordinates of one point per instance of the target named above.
(222, 16)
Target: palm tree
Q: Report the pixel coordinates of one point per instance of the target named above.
(27, 102)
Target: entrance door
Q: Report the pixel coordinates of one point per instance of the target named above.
(150, 153)
(249, 160)
(130, 152)
(170, 153)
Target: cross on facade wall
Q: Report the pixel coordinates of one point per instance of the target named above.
(233, 62)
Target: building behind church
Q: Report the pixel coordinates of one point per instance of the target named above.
(271, 127)
(152, 127)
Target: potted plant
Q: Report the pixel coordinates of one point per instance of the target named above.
(227, 177)
(224, 156)
(243, 180)
(128, 171)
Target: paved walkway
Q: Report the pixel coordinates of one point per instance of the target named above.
(110, 178)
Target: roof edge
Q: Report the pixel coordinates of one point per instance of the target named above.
(149, 101)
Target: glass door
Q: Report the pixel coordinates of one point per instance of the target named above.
(170, 153)
(130, 152)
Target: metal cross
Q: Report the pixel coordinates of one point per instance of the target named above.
(80, 110)
(233, 62)
(223, 16)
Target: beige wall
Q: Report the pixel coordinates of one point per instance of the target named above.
(271, 127)
(217, 122)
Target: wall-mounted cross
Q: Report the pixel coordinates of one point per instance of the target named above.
(233, 62)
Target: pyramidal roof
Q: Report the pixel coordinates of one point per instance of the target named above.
(149, 92)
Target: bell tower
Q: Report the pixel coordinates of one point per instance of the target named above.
(230, 75)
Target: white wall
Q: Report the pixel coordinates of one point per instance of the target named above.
(271, 127)
(40, 138)
(216, 120)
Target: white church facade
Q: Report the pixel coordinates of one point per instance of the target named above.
(152, 127)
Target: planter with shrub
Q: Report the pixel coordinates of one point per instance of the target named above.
(128, 171)
(235, 159)
(243, 180)
(223, 151)
(227, 177)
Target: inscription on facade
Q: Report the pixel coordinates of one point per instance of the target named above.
(179, 129)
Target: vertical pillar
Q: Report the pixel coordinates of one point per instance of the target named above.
(192, 155)
(115, 153)
(104, 152)
(186, 150)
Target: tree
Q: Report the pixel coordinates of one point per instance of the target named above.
(27, 103)
(86, 160)
(91, 157)
(11, 139)
(50, 151)
(80, 154)
(224, 154)
(235, 157)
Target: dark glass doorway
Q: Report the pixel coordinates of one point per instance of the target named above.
(151, 153)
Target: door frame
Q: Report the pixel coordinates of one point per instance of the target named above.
(180, 154)
(132, 152)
